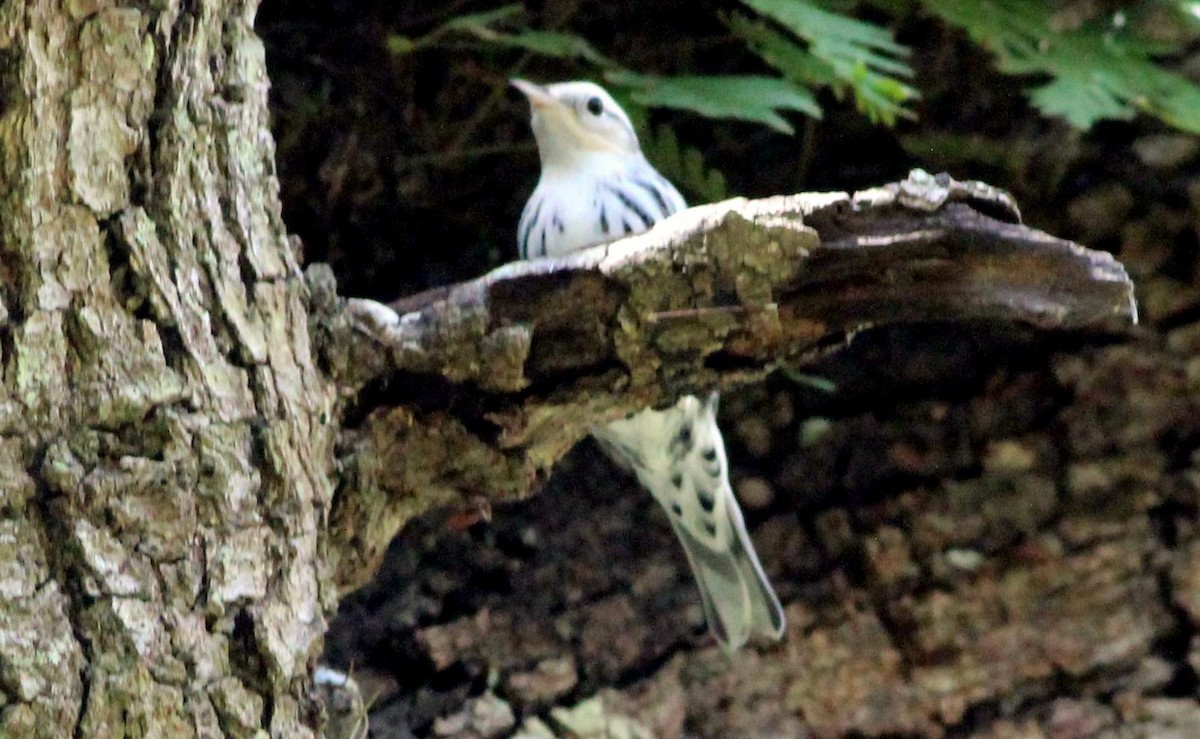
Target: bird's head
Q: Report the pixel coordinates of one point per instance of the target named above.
(576, 119)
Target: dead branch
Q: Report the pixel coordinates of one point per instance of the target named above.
(475, 390)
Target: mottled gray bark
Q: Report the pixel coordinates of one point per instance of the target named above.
(165, 438)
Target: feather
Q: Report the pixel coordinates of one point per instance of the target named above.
(681, 461)
(631, 205)
(586, 197)
(529, 219)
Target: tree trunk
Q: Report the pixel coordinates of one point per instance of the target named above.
(167, 440)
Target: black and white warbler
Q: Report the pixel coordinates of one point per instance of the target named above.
(596, 185)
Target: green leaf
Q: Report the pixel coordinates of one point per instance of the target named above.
(1186, 11)
(683, 166)
(782, 53)
(842, 52)
(482, 27)
(476, 23)
(1100, 69)
(747, 98)
(836, 36)
(1081, 104)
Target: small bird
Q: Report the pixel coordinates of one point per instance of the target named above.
(596, 185)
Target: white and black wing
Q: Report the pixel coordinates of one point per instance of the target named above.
(679, 456)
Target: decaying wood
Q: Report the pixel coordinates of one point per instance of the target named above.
(477, 389)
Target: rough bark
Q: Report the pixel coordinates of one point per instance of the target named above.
(470, 393)
(166, 438)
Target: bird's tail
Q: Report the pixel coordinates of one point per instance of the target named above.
(737, 598)
(679, 456)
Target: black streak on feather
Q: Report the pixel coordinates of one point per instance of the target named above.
(533, 219)
(681, 445)
(656, 194)
(636, 209)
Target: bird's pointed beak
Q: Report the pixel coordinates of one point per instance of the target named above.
(539, 97)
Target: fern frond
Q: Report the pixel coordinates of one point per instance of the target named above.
(747, 98)
(1100, 70)
(842, 52)
(401, 45)
(496, 27)
(683, 166)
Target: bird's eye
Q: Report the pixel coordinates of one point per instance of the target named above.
(595, 106)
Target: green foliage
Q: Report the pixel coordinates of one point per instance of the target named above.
(815, 48)
(1101, 67)
(1099, 64)
(810, 47)
(845, 54)
(683, 166)
(473, 24)
(481, 27)
(747, 98)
